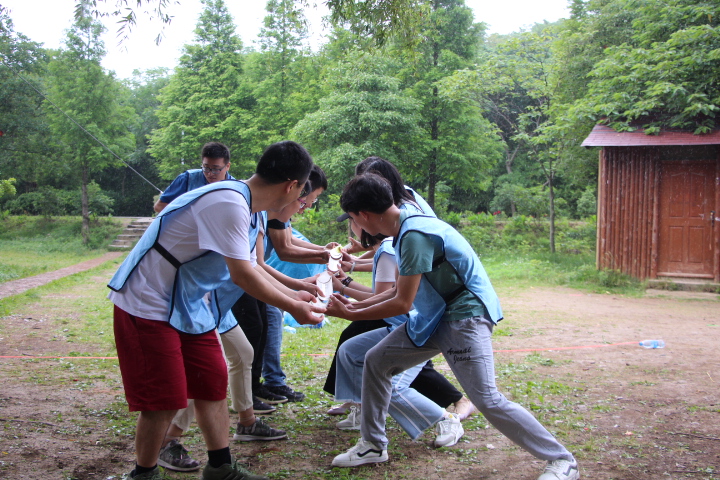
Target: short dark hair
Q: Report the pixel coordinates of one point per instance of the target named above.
(283, 161)
(215, 150)
(368, 193)
(387, 170)
(317, 179)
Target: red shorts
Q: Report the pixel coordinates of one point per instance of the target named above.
(161, 367)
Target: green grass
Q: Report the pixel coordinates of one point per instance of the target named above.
(34, 245)
(512, 272)
(79, 322)
(77, 306)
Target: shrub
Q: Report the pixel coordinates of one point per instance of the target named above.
(453, 218)
(587, 204)
(57, 234)
(580, 237)
(49, 201)
(7, 189)
(481, 219)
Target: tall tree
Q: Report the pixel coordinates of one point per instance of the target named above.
(504, 86)
(514, 85)
(206, 99)
(461, 144)
(81, 89)
(365, 113)
(283, 72)
(132, 193)
(22, 119)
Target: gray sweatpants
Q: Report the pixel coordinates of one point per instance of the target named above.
(467, 347)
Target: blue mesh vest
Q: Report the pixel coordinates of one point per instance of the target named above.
(429, 305)
(386, 247)
(206, 273)
(424, 206)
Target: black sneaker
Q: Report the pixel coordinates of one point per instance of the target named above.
(229, 471)
(269, 397)
(257, 431)
(262, 408)
(288, 392)
(155, 474)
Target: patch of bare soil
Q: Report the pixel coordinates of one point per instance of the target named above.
(625, 411)
(21, 285)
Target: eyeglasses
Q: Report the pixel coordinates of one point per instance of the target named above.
(213, 170)
(304, 204)
(305, 190)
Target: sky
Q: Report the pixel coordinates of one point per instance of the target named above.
(45, 21)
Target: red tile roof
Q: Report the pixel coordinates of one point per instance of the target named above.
(604, 136)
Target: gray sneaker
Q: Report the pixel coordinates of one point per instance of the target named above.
(174, 456)
(257, 431)
(229, 471)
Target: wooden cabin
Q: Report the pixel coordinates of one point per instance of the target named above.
(658, 204)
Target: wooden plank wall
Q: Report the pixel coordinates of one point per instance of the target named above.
(627, 210)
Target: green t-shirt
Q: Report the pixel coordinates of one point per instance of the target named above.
(418, 253)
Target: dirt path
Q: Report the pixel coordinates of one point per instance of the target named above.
(626, 412)
(21, 285)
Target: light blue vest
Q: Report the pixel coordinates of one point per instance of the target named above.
(386, 247)
(262, 218)
(426, 210)
(429, 305)
(205, 273)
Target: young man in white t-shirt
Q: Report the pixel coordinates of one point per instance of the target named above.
(165, 334)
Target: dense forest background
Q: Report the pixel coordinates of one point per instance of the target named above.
(476, 123)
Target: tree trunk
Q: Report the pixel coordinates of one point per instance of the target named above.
(432, 179)
(509, 159)
(552, 210)
(432, 166)
(434, 132)
(85, 208)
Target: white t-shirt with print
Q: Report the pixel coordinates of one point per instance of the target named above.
(217, 221)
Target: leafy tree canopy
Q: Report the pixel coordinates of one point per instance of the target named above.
(667, 77)
(206, 99)
(365, 114)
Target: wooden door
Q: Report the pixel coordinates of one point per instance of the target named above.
(687, 205)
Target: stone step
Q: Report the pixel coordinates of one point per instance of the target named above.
(131, 234)
(684, 284)
(140, 223)
(134, 231)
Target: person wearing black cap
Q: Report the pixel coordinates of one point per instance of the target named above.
(429, 381)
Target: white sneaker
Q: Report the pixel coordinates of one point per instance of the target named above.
(362, 453)
(352, 422)
(449, 431)
(561, 470)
